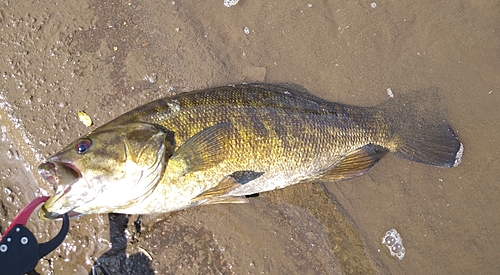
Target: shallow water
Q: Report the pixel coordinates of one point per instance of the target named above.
(107, 57)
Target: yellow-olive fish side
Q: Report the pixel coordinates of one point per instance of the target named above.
(218, 145)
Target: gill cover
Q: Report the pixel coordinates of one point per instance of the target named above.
(107, 170)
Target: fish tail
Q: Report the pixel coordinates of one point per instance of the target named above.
(419, 131)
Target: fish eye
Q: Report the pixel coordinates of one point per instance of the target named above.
(83, 145)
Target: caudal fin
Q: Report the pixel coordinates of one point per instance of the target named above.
(419, 130)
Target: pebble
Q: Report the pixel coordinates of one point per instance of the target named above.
(84, 118)
(229, 3)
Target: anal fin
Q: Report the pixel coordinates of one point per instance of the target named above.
(354, 164)
(216, 194)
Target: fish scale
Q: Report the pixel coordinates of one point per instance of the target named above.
(221, 144)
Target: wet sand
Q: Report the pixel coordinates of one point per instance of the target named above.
(108, 57)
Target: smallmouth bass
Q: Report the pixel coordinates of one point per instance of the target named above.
(221, 144)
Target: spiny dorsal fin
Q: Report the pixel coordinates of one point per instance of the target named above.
(354, 164)
(215, 194)
(205, 149)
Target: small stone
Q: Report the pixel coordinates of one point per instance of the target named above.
(390, 93)
(84, 118)
(136, 19)
(230, 3)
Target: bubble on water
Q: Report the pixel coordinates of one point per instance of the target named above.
(389, 240)
(394, 243)
(396, 248)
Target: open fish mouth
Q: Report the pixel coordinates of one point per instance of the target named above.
(61, 175)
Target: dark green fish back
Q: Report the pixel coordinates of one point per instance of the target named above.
(271, 122)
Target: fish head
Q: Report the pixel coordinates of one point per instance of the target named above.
(107, 170)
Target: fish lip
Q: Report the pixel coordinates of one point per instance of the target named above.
(61, 174)
(44, 214)
(51, 172)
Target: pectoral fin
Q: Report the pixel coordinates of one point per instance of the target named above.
(353, 164)
(205, 149)
(215, 194)
(246, 176)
